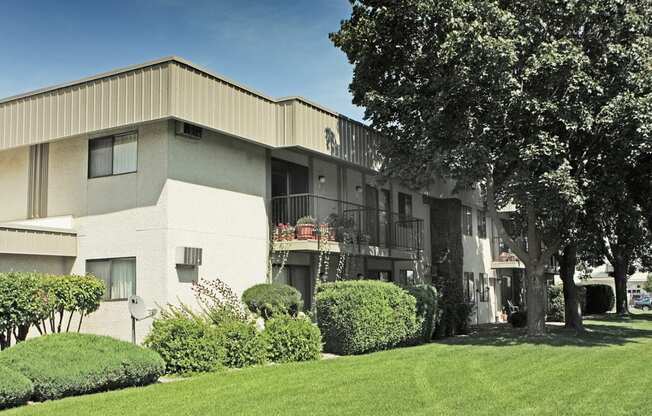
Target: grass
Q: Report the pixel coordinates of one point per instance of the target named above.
(495, 371)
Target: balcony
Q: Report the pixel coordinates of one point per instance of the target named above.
(503, 258)
(344, 226)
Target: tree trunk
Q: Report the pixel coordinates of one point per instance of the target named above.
(620, 280)
(572, 307)
(536, 308)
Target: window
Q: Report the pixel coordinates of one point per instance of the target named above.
(404, 204)
(482, 224)
(483, 289)
(469, 286)
(113, 155)
(407, 276)
(467, 220)
(119, 276)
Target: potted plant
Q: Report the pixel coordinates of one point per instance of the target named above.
(305, 228)
(342, 227)
(327, 232)
(288, 232)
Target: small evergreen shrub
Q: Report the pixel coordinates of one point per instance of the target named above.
(187, 344)
(243, 344)
(15, 389)
(72, 364)
(273, 299)
(292, 339)
(518, 319)
(599, 299)
(426, 307)
(556, 308)
(361, 316)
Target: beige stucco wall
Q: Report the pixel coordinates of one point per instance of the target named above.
(13, 183)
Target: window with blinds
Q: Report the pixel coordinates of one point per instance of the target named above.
(113, 155)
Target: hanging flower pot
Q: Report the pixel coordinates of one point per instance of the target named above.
(305, 228)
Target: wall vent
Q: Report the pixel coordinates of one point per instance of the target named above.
(189, 130)
(189, 256)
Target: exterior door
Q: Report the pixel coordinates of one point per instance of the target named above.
(384, 216)
(290, 199)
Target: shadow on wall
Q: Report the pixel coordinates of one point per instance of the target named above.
(357, 143)
(503, 335)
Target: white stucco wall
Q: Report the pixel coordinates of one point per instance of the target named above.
(13, 183)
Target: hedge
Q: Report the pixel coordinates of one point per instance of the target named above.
(360, 316)
(556, 307)
(15, 389)
(426, 308)
(187, 344)
(292, 339)
(273, 299)
(243, 344)
(599, 299)
(71, 364)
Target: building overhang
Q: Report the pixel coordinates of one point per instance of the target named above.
(37, 241)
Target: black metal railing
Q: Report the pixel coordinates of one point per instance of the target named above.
(351, 222)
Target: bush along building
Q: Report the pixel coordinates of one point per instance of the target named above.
(152, 176)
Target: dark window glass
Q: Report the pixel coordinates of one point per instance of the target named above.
(482, 224)
(467, 220)
(100, 157)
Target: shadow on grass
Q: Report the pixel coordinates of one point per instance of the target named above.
(601, 330)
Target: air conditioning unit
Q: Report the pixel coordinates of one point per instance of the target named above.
(189, 130)
(188, 256)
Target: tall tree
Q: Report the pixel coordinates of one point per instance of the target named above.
(483, 92)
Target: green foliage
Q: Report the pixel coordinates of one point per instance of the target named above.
(453, 318)
(273, 299)
(23, 302)
(556, 305)
(427, 309)
(61, 365)
(292, 339)
(599, 299)
(307, 220)
(71, 294)
(548, 106)
(518, 319)
(648, 284)
(243, 344)
(28, 299)
(356, 317)
(218, 301)
(187, 343)
(15, 389)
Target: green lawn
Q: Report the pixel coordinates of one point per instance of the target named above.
(494, 372)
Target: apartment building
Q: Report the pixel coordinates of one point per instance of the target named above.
(153, 176)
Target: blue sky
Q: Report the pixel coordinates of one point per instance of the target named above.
(279, 47)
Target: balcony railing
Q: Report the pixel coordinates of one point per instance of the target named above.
(353, 223)
(502, 253)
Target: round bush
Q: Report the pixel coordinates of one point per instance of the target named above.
(15, 389)
(599, 299)
(273, 299)
(426, 297)
(292, 339)
(187, 344)
(360, 316)
(243, 344)
(71, 364)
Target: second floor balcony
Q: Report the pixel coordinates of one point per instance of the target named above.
(345, 223)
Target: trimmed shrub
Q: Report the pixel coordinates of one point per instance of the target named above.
(292, 339)
(273, 299)
(518, 319)
(599, 299)
(556, 308)
(22, 304)
(427, 299)
(15, 388)
(243, 344)
(61, 365)
(360, 316)
(187, 344)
